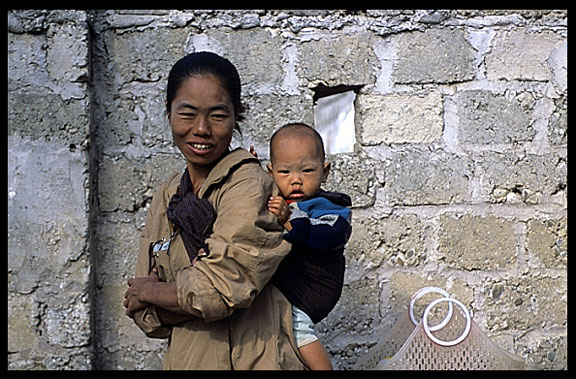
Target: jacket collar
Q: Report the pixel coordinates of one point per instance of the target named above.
(223, 168)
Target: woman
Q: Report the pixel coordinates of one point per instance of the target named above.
(210, 244)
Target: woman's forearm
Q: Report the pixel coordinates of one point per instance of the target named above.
(143, 291)
(163, 295)
(172, 318)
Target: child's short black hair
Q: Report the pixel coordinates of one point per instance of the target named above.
(298, 127)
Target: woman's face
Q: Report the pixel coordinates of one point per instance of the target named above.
(202, 119)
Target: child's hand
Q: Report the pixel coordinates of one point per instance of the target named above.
(201, 254)
(253, 151)
(279, 207)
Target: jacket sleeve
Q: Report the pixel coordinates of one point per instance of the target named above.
(147, 319)
(245, 249)
(320, 231)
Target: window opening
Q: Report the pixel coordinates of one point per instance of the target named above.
(334, 117)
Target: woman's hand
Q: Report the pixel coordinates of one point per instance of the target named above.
(279, 207)
(135, 296)
(145, 291)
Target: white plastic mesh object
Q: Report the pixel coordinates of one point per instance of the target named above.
(468, 347)
(392, 339)
(390, 342)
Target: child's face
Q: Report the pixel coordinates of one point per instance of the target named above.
(297, 167)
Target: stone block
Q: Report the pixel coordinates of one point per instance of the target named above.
(521, 55)
(471, 242)
(434, 56)
(48, 262)
(256, 53)
(558, 123)
(114, 130)
(400, 118)
(528, 178)
(363, 169)
(38, 21)
(356, 310)
(68, 359)
(118, 334)
(547, 240)
(136, 123)
(68, 326)
(397, 240)
(130, 83)
(118, 342)
(64, 67)
(485, 117)
(545, 351)
(558, 63)
(49, 118)
(267, 113)
(47, 213)
(416, 177)
(23, 318)
(141, 56)
(41, 62)
(117, 245)
(335, 60)
(355, 317)
(127, 185)
(48, 95)
(51, 358)
(151, 123)
(525, 302)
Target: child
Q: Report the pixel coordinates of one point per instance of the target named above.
(317, 224)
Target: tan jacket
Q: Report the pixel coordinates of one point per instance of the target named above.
(241, 322)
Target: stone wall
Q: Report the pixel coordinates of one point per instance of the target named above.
(49, 128)
(458, 176)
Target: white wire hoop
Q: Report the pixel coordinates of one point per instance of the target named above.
(423, 291)
(428, 330)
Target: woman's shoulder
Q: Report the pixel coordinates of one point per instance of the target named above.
(164, 193)
(171, 185)
(238, 165)
(235, 160)
(253, 169)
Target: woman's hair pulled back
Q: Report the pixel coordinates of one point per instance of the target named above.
(204, 63)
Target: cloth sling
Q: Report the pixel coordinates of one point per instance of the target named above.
(192, 216)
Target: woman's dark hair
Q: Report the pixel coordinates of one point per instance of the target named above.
(202, 63)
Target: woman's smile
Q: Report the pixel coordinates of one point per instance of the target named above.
(200, 148)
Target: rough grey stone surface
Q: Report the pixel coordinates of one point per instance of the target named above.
(458, 175)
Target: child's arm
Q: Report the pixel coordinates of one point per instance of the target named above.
(277, 204)
(279, 207)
